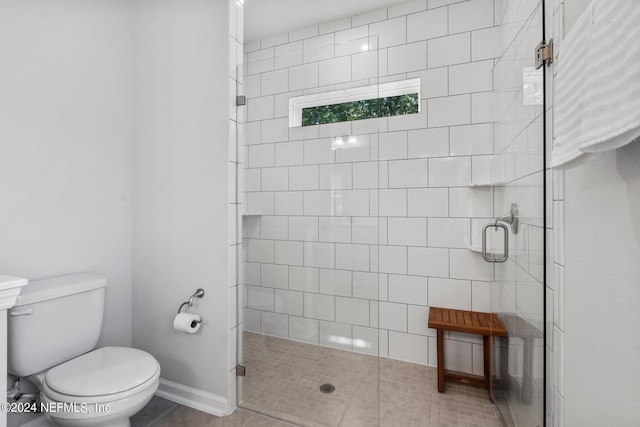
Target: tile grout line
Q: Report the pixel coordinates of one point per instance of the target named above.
(163, 414)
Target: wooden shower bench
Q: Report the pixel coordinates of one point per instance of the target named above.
(468, 322)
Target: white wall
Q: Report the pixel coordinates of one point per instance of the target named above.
(180, 192)
(602, 290)
(358, 243)
(72, 74)
(597, 342)
(65, 146)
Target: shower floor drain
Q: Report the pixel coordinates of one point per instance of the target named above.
(327, 388)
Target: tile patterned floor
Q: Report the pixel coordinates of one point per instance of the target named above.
(283, 378)
(281, 390)
(160, 412)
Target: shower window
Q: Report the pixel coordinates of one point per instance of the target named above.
(359, 110)
(357, 103)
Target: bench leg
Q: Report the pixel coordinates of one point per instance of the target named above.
(486, 341)
(440, 360)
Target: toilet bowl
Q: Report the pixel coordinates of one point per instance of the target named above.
(101, 388)
(52, 331)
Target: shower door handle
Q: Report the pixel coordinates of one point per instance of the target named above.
(485, 254)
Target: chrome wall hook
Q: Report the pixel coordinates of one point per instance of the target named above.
(512, 218)
(199, 294)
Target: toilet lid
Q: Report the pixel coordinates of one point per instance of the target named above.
(104, 371)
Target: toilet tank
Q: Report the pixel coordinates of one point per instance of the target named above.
(54, 320)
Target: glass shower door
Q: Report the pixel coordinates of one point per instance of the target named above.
(517, 174)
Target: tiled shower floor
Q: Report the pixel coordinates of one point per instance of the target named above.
(283, 379)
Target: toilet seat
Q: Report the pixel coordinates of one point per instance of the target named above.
(101, 376)
(90, 414)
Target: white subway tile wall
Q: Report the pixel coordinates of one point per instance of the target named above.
(355, 244)
(554, 350)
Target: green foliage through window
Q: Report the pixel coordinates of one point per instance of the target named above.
(359, 110)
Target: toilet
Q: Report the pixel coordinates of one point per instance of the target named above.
(52, 333)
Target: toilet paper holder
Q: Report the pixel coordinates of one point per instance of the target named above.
(199, 294)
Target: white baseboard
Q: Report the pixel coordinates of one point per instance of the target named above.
(193, 398)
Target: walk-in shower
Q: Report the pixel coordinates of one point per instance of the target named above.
(376, 149)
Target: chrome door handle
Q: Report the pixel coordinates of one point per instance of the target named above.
(485, 255)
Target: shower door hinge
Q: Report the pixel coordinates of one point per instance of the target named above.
(544, 53)
(241, 371)
(241, 100)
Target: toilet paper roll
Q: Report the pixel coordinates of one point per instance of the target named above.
(187, 322)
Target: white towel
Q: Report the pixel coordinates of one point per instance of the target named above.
(597, 105)
(569, 90)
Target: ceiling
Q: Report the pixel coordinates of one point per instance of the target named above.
(264, 18)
